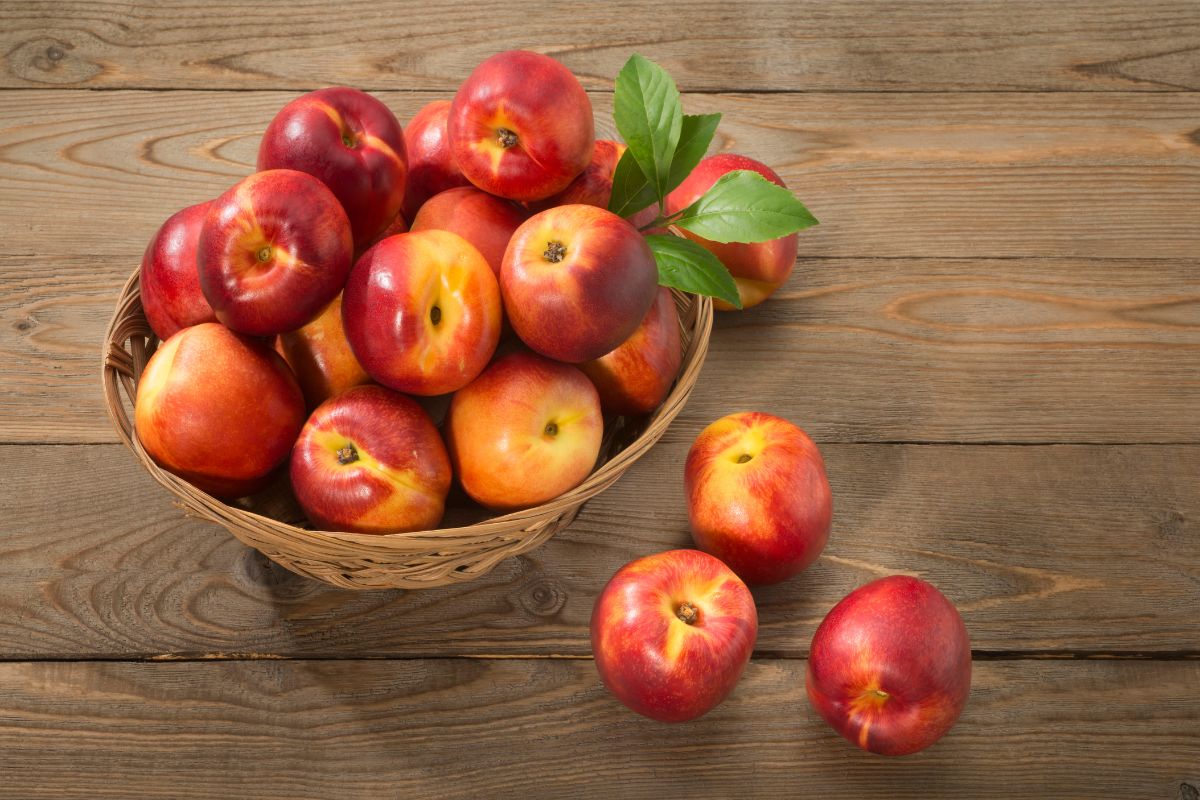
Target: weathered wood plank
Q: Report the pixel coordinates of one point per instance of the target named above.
(470, 728)
(1044, 549)
(856, 349)
(896, 175)
(829, 45)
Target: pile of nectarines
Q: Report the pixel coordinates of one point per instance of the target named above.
(471, 264)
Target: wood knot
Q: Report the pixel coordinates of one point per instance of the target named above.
(1171, 524)
(49, 60)
(1188, 791)
(542, 597)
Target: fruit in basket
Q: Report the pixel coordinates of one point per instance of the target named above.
(422, 312)
(672, 633)
(274, 250)
(353, 144)
(169, 282)
(371, 461)
(636, 377)
(890, 666)
(593, 186)
(577, 281)
(525, 431)
(521, 126)
(758, 498)
(758, 268)
(219, 409)
(321, 357)
(484, 220)
(431, 166)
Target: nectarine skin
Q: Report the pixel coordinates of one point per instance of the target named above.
(577, 281)
(636, 377)
(421, 311)
(759, 268)
(274, 250)
(371, 461)
(484, 220)
(671, 634)
(758, 497)
(525, 431)
(218, 409)
(431, 166)
(593, 186)
(890, 666)
(321, 358)
(352, 143)
(169, 281)
(521, 126)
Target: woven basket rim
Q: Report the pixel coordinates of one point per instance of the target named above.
(121, 368)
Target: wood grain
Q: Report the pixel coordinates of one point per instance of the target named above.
(546, 728)
(853, 349)
(1046, 550)
(890, 175)
(799, 45)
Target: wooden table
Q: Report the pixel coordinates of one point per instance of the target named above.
(994, 335)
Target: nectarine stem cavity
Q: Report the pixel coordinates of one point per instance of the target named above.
(506, 137)
(555, 252)
(347, 454)
(263, 254)
(551, 429)
(744, 457)
(688, 613)
(435, 315)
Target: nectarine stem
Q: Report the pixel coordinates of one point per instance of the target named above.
(347, 455)
(551, 429)
(743, 458)
(435, 315)
(507, 138)
(263, 254)
(555, 252)
(687, 612)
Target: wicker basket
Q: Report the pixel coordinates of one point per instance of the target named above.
(271, 521)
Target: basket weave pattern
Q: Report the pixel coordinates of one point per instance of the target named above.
(401, 560)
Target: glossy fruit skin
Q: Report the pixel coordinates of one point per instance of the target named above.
(653, 661)
(636, 377)
(759, 268)
(593, 186)
(890, 666)
(525, 431)
(484, 220)
(298, 225)
(353, 144)
(321, 358)
(169, 281)
(431, 166)
(371, 461)
(218, 409)
(521, 126)
(577, 281)
(422, 313)
(758, 496)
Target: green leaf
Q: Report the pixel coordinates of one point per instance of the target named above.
(743, 206)
(649, 116)
(695, 135)
(631, 192)
(683, 264)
